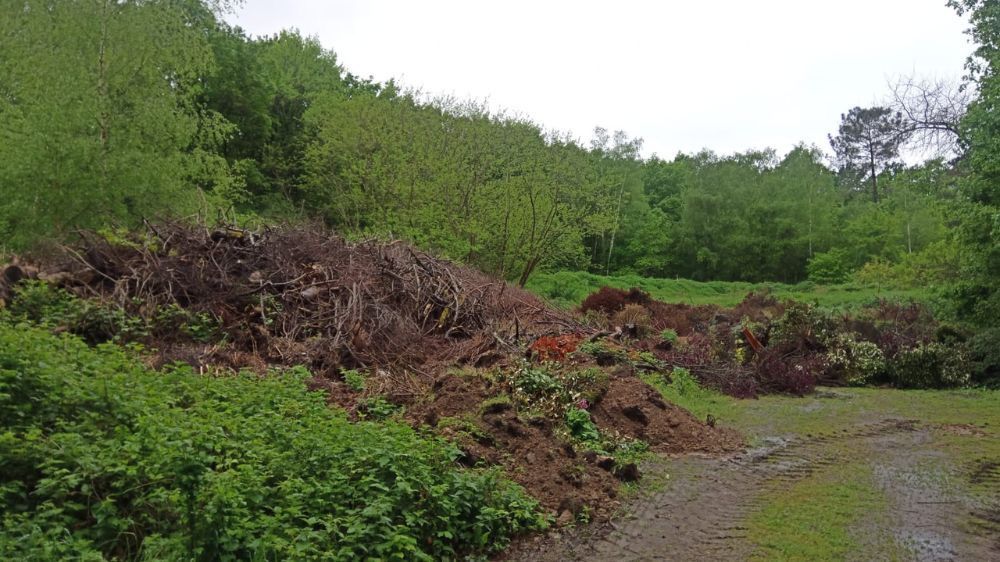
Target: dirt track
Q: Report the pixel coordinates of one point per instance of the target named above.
(700, 513)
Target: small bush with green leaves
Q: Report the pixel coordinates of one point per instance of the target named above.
(856, 362)
(199, 326)
(589, 384)
(581, 426)
(602, 351)
(669, 336)
(377, 408)
(536, 382)
(102, 458)
(354, 379)
(931, 365)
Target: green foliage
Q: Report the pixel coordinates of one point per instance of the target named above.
(985, 353)
(100, 118)
(354, 379)
(589, 384)
(931, 365)
(536, 382)
(580, 425)
(602, 351)
(377, 408)
(802, 323)
(669, 335)
(45, 305)
(96, 322)
(829, 267)
(858, 363)
(199, 326)
(103, 458)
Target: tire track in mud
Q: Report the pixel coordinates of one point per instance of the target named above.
(700, 513)
(985, 474)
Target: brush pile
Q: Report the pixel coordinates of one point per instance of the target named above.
(388, 332)
(299, 296)
(766, 346)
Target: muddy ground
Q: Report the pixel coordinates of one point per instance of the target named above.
(938, 486)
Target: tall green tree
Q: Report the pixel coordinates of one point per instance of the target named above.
(98, 120)
(867, 142)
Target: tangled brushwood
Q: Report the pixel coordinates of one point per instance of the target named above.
(300, 296)
(764, 346)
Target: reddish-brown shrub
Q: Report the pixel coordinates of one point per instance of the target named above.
(610, 300)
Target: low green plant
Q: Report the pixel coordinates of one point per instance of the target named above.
(588, 384)
(537, 382)
(103, 458)
(669, 336)
(354, 379)
(377, 408)
(42, 304)
(602, 351)
(581, 426)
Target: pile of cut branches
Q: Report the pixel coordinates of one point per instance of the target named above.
(299, 295)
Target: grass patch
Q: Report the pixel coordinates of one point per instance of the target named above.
(834, 409)
(681, 388)
(567, 289)
(815, 519)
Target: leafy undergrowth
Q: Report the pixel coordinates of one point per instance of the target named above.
(101, 457)
(814, 519)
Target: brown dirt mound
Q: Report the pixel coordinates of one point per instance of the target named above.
(635, 409)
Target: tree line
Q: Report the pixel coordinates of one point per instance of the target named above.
(116, 110)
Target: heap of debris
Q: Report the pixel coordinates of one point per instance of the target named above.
(442, 344)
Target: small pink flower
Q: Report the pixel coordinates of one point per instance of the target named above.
(582, 404)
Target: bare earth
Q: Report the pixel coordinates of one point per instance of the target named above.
(700, 510)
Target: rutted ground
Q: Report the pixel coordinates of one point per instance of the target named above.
(873, 486)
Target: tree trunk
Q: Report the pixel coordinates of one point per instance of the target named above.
(874, 178)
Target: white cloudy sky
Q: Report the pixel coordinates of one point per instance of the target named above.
(724, 74)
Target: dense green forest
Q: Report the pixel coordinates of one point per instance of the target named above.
(112, 111)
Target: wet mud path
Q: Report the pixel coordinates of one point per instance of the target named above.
(700, 511)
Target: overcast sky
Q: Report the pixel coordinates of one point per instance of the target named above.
(726, 74)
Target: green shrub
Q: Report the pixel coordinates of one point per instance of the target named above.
(377, 408)
(856, 363)
(931, 365)
(589, 384)
(603, 352)
(669, 336)
(536, 382)
(101, 457)
(199, 326)
(581, 426)
(985, 354)
(829, 267)
(354, 379)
